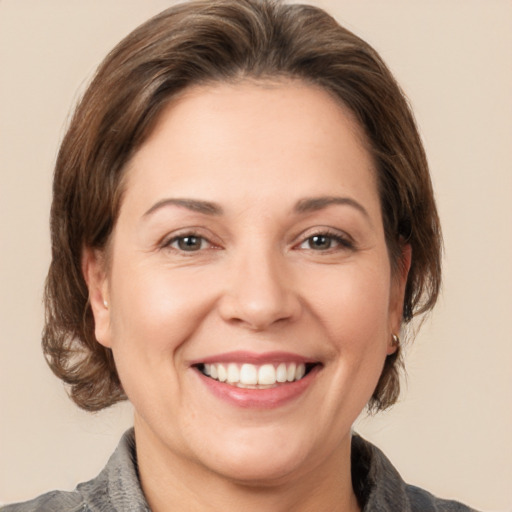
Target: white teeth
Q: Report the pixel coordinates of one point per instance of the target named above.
(281, 373)
(290, 375)
(248, 374)
(233, 373)
(222, 373)
(267, 374)
(251, 375)
(299, 372)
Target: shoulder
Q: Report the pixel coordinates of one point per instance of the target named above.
(117, 487)
(423, 501)
(380, 488)
(55, 501)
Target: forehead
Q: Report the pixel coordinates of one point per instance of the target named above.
(243, 135)
(254, 103)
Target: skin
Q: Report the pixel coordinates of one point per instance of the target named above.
(256, 282)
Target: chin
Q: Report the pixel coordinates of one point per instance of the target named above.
(258, 471)
(260, 462)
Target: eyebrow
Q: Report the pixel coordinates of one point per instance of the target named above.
(306, 205)
(312, 204)
(205, 207)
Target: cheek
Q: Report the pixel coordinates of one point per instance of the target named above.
(355, 315)
(155, 311)
(154, 314)
(353, 304)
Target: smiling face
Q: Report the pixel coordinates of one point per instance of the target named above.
(250, 294)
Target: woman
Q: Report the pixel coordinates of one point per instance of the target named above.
(242, 224)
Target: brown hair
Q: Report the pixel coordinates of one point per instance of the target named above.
(201, 42)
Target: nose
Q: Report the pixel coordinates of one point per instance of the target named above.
(259, 292)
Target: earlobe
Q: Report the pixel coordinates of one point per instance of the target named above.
(394, 344)
(95, 274)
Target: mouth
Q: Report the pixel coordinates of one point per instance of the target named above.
(267, 380)
(256, 376)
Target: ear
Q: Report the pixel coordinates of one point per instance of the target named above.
(396, 304)
(95, 274)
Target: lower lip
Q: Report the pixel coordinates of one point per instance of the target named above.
(269, 398)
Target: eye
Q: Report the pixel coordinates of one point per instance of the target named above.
(188, 243)
(326, 241)
(320, 242)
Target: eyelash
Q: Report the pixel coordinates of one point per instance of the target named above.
(342, 242)
(178, 238)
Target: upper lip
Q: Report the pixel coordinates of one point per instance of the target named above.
(241, 356)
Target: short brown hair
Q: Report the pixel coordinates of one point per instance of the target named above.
(204, 42)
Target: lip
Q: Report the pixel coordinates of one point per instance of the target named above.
(269, 398)
(241, 356)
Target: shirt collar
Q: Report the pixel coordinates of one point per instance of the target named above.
(377, 484)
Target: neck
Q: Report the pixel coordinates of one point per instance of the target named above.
(172, 482)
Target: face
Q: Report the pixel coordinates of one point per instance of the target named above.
(251, 298)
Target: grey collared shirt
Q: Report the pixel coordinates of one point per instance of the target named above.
(377, 484)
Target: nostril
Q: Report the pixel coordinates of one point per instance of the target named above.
(259, 292)
(259, 314)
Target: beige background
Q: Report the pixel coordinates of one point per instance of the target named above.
(452, 431)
